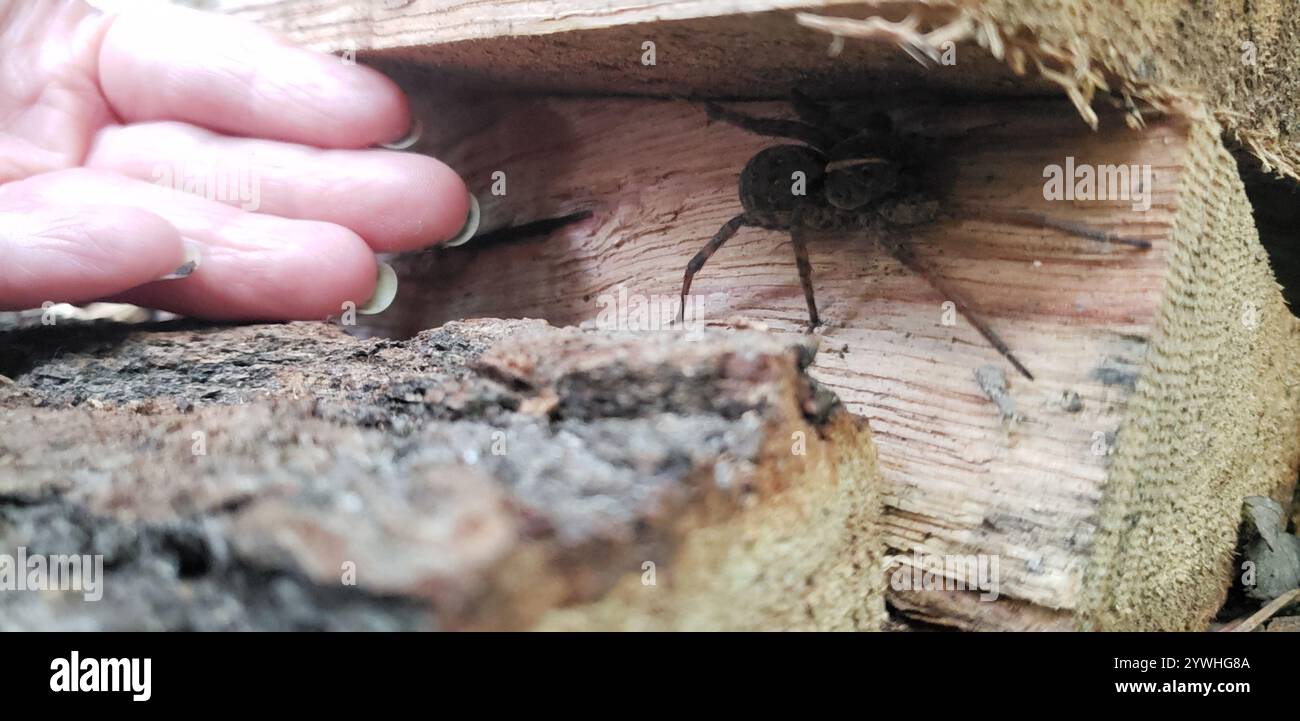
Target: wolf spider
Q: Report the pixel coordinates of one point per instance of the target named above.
(860, 176)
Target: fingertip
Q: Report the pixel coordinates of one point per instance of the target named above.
(419, 201)
(314, 99)
(451, 206)
(384, 113)
(351, 269)
(323, 271)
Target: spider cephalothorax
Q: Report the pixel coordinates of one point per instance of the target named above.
(851, 174)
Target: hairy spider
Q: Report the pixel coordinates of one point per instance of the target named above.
(857, 175)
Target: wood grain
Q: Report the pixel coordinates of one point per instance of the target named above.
(741, 48)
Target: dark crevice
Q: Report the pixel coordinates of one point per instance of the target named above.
(1275, 203)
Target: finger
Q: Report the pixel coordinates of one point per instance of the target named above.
(254, 266)
(73, 254)
(226, 74)
(396, 201)
(198, 299)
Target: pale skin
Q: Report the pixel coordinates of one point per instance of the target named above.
(101, 115)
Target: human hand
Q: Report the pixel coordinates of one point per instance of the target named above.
(105, 121)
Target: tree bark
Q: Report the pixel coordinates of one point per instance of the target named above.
(483, 475)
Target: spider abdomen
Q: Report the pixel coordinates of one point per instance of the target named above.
(778, 179)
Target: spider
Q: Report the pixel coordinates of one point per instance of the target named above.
(857, 175)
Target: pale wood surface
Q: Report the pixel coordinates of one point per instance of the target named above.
(742, 48)
(394, 23)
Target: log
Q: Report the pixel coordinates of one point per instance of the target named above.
(1238, 57)
(482, 475)
(1109, 487)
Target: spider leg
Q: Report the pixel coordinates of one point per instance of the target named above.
(901, 249)
(772, 127)
(724, 234)
(1041, 220)
(805, 267)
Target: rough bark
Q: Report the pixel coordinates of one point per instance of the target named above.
(488, 474)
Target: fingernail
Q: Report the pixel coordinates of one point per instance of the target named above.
(385, 291)
(193, 256)
(471, 225)
(411, 138)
